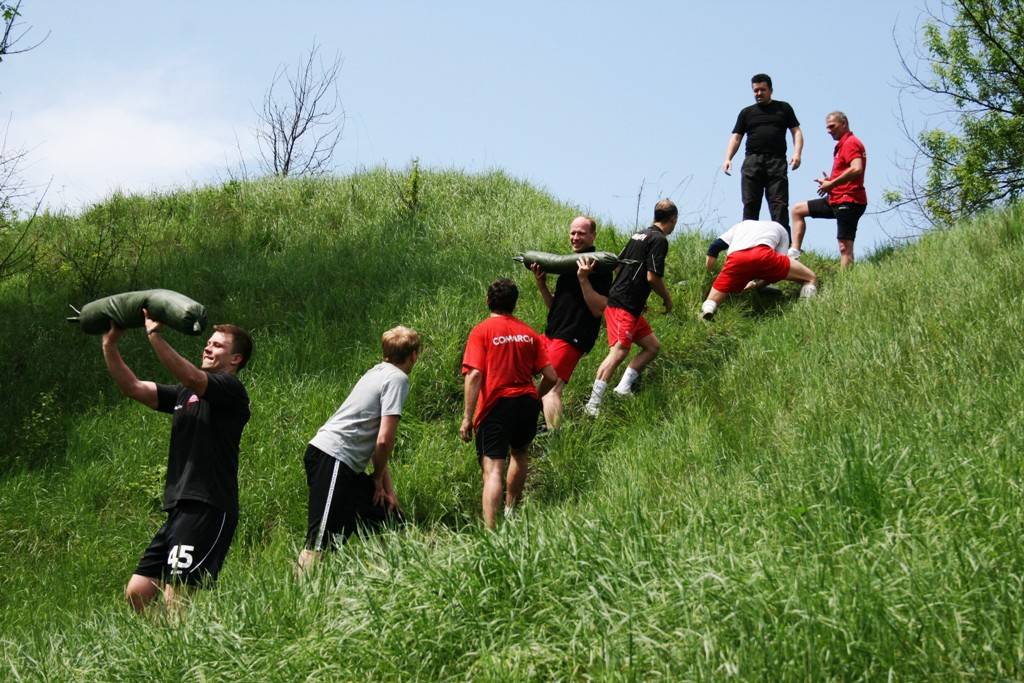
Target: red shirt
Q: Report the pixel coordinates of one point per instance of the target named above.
(848, 148)
(508, 353)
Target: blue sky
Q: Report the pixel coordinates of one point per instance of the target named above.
(587, 100)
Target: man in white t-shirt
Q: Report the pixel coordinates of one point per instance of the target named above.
(342, 496)
(756, 257)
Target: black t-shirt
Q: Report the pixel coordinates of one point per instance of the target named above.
(202, 462)
(569, 318)
(631, 289)
(765, 126)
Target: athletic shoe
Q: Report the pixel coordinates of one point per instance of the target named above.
(808, 291)
(542, 429)
(793, 253)
(627, 392)
(707, 310)
(591, 410)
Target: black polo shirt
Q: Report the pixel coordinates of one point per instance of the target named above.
(630, 290)
(765, 126)
(569, 318)
(202, 462)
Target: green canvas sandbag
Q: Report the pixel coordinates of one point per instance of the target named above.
(175, 310)
(558, 264)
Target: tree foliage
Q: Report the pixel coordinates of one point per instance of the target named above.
(972, 59)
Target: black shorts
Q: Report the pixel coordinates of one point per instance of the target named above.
(512, 422)
(340, 501)
(846, 215)
(191, 545)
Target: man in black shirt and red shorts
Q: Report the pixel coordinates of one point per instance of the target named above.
(627, 301)
(210, 407)
(501, 403)
(842, 193)
(764, 166)
(574, 313)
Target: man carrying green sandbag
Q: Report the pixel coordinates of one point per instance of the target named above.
(210, 408)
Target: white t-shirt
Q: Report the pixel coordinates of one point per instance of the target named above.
(747, 234)
(351, 433)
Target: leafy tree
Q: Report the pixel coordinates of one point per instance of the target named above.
(973, 59)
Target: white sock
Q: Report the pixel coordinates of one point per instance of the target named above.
(598, 392)
(628, 377)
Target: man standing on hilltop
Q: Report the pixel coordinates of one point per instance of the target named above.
(756, 257)
(764, 165)
(574, 313)
(626, 303)
(210, 408)
(842, 193)
(342, 497)
(502, 356)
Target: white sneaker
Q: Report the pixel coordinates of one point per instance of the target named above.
(620, 392)
(793, 253)
(808, 291)
(707, 310)
(591, 410)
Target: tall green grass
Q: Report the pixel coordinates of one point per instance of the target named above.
(812, 491)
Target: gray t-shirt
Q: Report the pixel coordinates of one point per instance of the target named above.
(351, 433)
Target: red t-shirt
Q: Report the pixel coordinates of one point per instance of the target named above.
(848, 148)
(508, 353)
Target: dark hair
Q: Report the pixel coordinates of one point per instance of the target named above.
(241, 342)
(502, 296)
(761, 78)
(664, 211)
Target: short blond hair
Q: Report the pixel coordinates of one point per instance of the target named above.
(399, 343)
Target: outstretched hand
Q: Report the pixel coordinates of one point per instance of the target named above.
(538, 272)
(113, 334)
(585, 266)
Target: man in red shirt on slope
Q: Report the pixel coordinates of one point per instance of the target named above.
(842, 193)
(503, 354)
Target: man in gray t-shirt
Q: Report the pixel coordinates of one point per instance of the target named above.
(342, 496)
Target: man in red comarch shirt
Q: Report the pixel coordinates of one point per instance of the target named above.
(503, 354)
(842, 193)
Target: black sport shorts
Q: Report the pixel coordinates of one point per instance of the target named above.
(512, 422)
(191, 545)
(847, 216)
(340, 501)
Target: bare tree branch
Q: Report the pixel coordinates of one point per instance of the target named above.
(301, 120)
(12, 32)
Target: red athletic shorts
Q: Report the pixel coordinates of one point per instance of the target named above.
(750, 264)
(563, 356)
(623, 327)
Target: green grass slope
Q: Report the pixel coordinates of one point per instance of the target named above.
(823, 490)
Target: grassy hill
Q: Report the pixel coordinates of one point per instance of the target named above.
(811, 490)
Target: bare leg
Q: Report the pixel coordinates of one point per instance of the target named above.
(612, 361)
(650, 346)
(798, 272)
(799, 224)
(307, 560)
(552, 403)
(516, 479)
(845, 254)
(493, 474)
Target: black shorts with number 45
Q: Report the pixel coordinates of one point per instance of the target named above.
(191, 545)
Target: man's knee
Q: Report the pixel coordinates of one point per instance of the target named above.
(650, 344)
(140, 591)
(800, 210)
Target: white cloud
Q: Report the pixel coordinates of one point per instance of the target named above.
(145, 133)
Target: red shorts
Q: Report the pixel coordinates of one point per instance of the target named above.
(563, 356)
(623, 327)
(750, 264)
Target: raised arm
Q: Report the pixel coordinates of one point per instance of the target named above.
(130, 385)
(595, 302)
(541, 278)
(186, 373)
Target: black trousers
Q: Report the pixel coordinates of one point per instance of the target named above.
(764, 175)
